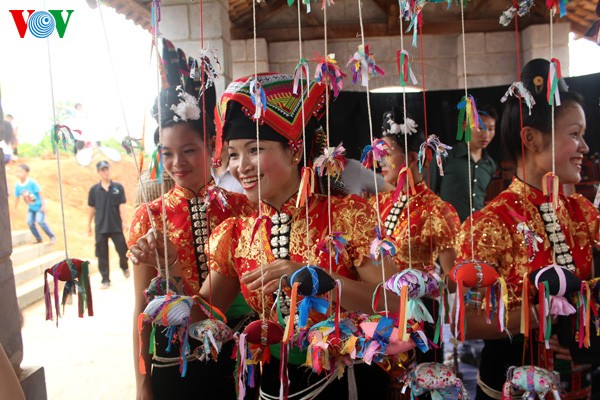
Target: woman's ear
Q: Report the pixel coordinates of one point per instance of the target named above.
(413, 158)
(297, 155)
(532, 139)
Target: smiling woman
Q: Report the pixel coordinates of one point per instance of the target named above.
(254, 264)
(563, 233)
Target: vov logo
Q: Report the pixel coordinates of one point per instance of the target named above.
(41, 24)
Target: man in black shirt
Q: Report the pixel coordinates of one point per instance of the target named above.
(106, 200)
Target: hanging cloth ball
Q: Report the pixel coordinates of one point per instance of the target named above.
(211, 332)
(75, 274)
(472, 274)
(532, 381)
(253, 347)
(310, 282)
(559, 282)
(553, 284)
(172, 312)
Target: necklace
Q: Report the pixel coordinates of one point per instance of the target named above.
(280, 235)
(394, 216)
(200, 232)
(556, 236)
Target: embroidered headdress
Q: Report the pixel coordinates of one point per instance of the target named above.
(183, 89)
(279, 109)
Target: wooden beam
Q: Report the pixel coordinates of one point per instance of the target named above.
(382, 4)
(476, 9)
(393, 13)
(267, 11)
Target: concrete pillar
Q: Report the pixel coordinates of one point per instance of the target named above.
(535, 41)
(32, 379)
(10, 333)
(490, 58)
(180, 23)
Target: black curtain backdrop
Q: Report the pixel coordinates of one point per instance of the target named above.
(349, 120)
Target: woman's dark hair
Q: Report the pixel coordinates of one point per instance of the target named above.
(534, 77)
(168, 118)
(7, 133)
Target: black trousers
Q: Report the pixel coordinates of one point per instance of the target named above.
(102, 252)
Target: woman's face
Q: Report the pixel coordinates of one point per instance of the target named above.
(279, 177)
(396, 157)
(184, 156)
(570, 146)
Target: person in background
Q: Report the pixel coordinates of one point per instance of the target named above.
(453, 187)
(8, 141)
(29, 190)
(223, 177)
(15, 143)
(106, 201)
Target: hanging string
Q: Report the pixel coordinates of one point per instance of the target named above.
(57, 147)
(143, 185)
(525, 186)
(472, 232)
(378, 211)
(262, 274)
(405, 135)
(429, 220)
(553, 105)
(300, 52)
(156, 21)
(206, 169)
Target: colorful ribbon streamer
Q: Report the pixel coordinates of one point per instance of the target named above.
(259, 99)
(329, 72)
(519, 90)
(332, 162)
(554, 74)
(468, 118)
(403, 62)
(363, 66)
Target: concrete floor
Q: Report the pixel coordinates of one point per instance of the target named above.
(85, 358)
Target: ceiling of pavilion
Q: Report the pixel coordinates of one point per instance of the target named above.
(276, 21)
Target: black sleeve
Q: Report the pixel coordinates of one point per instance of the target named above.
(91, 199)
(122, 199)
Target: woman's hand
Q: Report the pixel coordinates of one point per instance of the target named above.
(144, 389)
(272, 273)
(145, 249)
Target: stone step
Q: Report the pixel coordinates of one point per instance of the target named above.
(34, 269)
(24, 254)
(19, 238)
(30, 292)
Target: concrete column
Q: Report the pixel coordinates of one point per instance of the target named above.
(32, 379)
(535, 41)
(10, 334)
(180, 23)
(490, 58)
